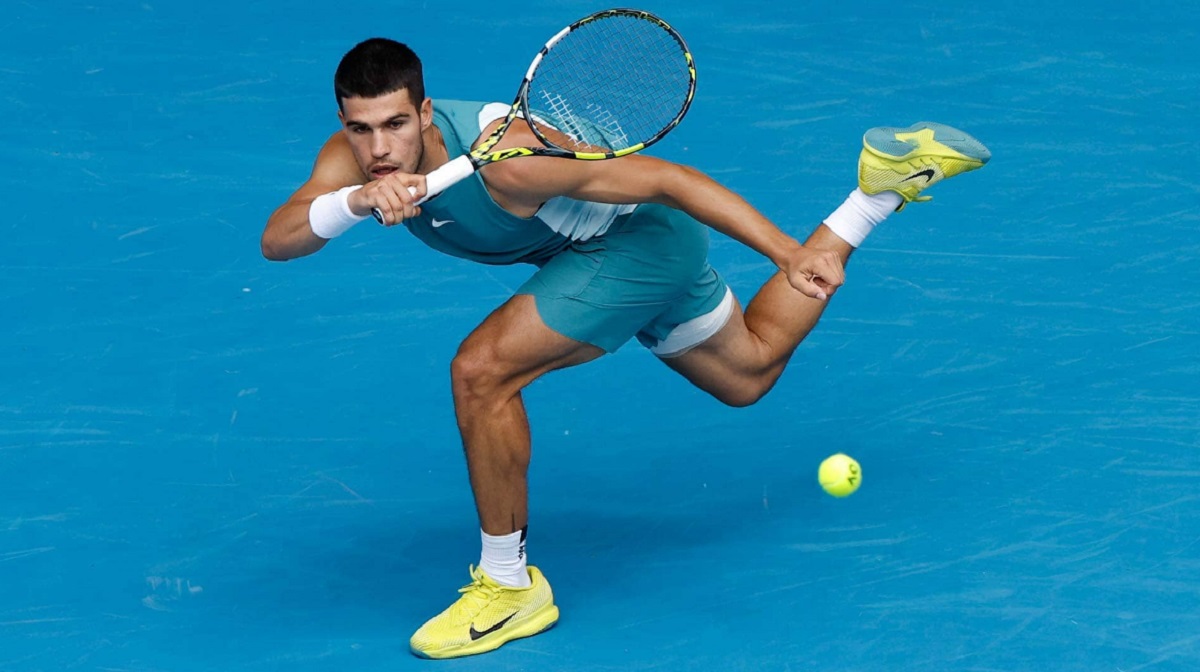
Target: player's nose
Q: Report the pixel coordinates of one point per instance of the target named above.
(380, 147)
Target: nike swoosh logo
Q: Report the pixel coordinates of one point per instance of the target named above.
(475, 634)
(927, 174)
(441, 222)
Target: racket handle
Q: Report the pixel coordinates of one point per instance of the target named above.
(439, 180)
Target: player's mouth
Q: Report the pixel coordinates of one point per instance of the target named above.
(381, 170)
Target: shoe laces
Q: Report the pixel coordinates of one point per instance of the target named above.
(478, 594)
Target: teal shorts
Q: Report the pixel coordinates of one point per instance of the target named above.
(647, 276)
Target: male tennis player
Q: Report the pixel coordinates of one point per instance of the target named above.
(621, 249)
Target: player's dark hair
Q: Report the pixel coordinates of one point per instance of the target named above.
(376, 67)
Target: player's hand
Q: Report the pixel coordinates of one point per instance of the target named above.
(394, 195)
(815, 273)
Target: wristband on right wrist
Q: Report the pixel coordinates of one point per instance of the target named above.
(330, 215)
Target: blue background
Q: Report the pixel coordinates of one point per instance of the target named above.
(212, 462)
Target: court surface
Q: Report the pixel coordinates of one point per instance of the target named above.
(213, 462)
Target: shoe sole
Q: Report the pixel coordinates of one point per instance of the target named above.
(535, 624)
(883, 143)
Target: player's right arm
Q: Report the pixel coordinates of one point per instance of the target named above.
(289, 233)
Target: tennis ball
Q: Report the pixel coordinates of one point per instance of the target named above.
(840, 475)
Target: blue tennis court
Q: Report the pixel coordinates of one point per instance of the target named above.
(214, 462)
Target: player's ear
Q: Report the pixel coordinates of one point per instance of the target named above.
(426, 113)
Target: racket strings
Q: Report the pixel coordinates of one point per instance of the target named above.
(592, 127)
(610, 84)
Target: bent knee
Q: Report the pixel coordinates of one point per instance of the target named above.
(746, 391)
(476, 371)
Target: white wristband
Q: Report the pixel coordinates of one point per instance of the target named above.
(330, 215)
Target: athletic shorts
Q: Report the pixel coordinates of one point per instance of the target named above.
(647, 276)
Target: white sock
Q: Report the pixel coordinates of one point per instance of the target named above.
(503, 558)
(857, 217)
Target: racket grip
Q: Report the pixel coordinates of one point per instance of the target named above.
(378, 214)
(439, 180)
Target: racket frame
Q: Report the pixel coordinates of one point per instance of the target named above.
(461, 167)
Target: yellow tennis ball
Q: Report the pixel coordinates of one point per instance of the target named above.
(840, 475)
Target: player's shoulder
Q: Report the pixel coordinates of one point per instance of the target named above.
(336, 162)
(468, 122)
(336, 147)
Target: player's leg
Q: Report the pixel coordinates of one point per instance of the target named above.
(568, 313)
(742, 361)
(506, 599)
(507, 352)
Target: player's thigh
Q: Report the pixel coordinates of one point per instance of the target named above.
(727, 363)
(606, 290)
(515, 344)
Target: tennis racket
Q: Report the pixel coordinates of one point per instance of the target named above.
(608, 85)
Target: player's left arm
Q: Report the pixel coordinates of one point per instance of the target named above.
(644, 179)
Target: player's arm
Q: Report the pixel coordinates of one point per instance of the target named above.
(289, 233)
(644, 179)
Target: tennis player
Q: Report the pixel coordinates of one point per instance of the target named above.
(621, 250)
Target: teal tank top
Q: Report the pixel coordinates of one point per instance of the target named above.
(465, 222)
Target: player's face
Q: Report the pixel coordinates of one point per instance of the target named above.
(385, 132)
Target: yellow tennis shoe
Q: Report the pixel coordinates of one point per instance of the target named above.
(909, 160)
(487, 616)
